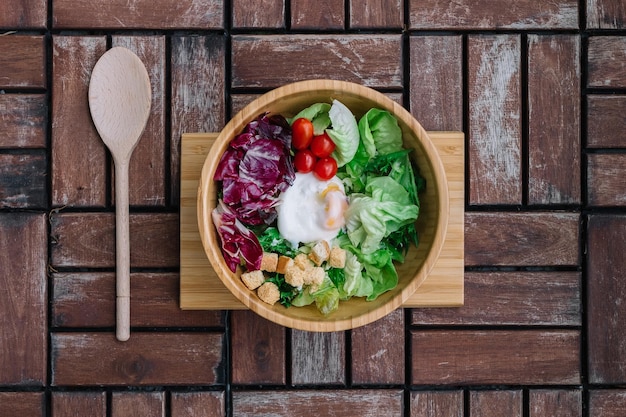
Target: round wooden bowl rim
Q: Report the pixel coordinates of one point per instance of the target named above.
(209, 236)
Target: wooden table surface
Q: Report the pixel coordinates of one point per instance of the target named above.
(538, 88)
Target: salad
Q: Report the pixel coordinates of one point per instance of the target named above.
(316, 208)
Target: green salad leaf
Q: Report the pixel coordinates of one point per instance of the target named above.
(380, 132)
(344, 133)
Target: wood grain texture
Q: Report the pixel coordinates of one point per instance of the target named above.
(87, 299)
(520, 357)
(524, 239)
(435, 404)
(606, 61)
(497, 403)
(362, 402)
(512, 298)
(318, 358)
(198, 98)
(23, 120)
(555, 403)
(139, 14)
(488, 14)
(72, 404)
(264, 14)
(23, 295)
(317, 14)
(436, 81)
(376, 14)
(267, 61)
(147, 170)
(553, 119)
(23, 180)
(31, 404)
(495, 119)
(77, 180)
(130, 404)
(607, 403)
(88, 240)
(23, 14)
(257, 350)
(377, 351)
(80, 359)
(605, 117)
(606, 317)
(23, 61)
(605, 14)
(198, 404)
(606, 179)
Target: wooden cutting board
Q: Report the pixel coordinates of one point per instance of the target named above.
(201, 288)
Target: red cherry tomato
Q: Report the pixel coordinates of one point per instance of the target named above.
(325, 168)
(322, 145)
(304, 161)
(301, 133)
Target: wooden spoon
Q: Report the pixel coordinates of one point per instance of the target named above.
(119, 100)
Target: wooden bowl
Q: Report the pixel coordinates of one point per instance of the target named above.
(431, 223)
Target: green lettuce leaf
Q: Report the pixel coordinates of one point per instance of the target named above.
(344, 133)
(380, 132)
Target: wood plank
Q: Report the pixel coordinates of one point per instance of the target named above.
(147, 171)
(376, 14)
(605, 117)
(318, 402)
(131, 404)
(487, 14)
(198, 100)
(435, 404)
(556, 403)
(606, 315)
(605, 14)
(86, 359)
(23, 61)
(522, 239)
(269, 14)
(377, 351)
(23, 14)
(495, 122)
(88, 240)
(202, 289)
(198, 404)
(554, 119)
(606, 61)
(318, 358)
(606, 179)
(607, 403)
(72, 404)
(436, 81)
(512, 298)
(139, 14)
(512, 357)
(87, 299)
(23, 120)
(23, 299)
(31, 404)
(76, 180)
(497, 403)
(23, 180)
(317, 14)
(257, 350)
(266, 61)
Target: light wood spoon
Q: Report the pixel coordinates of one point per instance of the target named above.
(119, 100)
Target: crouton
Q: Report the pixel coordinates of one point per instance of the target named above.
(253, 279)
(320, 252)
(302, 261)
(294, 276)
(337, 258)
(268, 292)
(284, 262)
(269, 262)
(316, 276)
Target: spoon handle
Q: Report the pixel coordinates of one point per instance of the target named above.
(122, 251)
